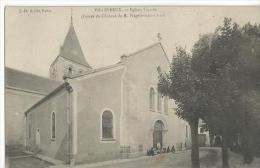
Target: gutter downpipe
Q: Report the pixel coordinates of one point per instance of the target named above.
(70, 158)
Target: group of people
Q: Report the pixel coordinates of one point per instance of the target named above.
(158, 150)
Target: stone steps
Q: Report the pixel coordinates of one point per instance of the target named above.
(14, 150)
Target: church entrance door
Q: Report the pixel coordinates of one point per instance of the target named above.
(158, 134)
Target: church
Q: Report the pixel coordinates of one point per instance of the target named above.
(81, 114)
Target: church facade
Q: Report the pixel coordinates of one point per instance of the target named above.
(105, 113)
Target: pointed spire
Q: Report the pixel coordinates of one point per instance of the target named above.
(71, 48)
(71, 17)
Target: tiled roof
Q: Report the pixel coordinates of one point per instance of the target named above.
(52, 93)
(71, 48)
(26, 81)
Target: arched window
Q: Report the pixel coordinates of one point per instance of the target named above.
(165, 105)
(186, 132)
(159, 101)
(151, 99)
(107, 125)
(68, 70)
(53, 125)
(30, 126)
(30, 130)
(159, 70)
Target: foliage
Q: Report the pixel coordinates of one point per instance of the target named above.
(228, 64)
(220, 83)
(183, 86)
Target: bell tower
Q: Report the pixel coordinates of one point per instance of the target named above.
(71, 60)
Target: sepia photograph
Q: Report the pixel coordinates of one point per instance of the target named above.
(132, 86)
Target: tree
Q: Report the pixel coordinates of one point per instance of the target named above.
(211, 63)
(184, 87)
(219, 83)
(249, 84)
(227, 62)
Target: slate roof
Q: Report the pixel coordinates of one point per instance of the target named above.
(52, 93)
(30, 82)
(71, 48)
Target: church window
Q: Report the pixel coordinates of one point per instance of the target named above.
(30, 126)
(53, 125)
(53, 72)
(107, 125)
(159, 70)
(165, 104)
(186, 132)
(70, 71)
(159, 101)
(151, 99)
(30, 130)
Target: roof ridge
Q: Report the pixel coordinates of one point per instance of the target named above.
(98, 70)
(28, 81)
(57, 89)
(29, 73)
(143, 49)
(148, 47)
(120, 63)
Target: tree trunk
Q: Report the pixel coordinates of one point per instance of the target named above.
(194, 145)
(248, 143)
(248, 136)
(225, 163)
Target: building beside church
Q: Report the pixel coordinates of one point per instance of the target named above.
(22, 90)
(81, 114)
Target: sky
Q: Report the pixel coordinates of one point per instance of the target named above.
(33, 35)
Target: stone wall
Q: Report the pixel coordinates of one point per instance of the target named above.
(95, 94)
(141, 75)
(17, 101)
(40, 118)
(60, 67)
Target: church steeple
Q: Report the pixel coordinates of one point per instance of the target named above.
(71, 59)
(71, 48)
(71, 18)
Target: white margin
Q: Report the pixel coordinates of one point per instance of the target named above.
(131, 2)
(2, 117)
(4, 3)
